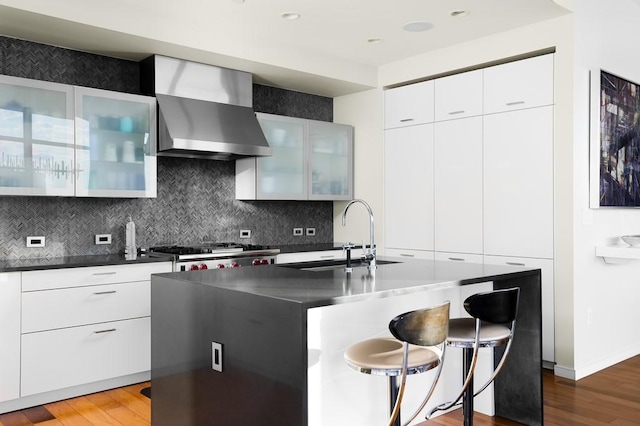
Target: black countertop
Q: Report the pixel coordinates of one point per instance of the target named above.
(327, 287)
(34, 264)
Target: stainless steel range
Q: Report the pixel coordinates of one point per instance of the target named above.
(217, 255)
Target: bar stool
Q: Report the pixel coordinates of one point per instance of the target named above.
(493, 323)
(406, 354)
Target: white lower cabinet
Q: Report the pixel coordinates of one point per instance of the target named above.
(9, 336)
(315, 256)
(74, 356)
(459, 257)
(80, 326)
(409, 254)
(548, 297)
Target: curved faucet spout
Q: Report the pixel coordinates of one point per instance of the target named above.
(370, 254)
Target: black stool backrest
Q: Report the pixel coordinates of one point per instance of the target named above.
(424, 327)
(498, 306)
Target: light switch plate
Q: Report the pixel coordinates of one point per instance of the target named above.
(311, 232)
(245, 233)
(216, 356)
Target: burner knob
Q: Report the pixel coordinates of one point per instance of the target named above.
(256, 262)
(203, 266)
(220, 266)
(264, 262)
(235, 265)
(193, 267)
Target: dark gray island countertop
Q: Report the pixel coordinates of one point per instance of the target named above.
(275, 329)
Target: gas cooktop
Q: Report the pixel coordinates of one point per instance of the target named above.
(210, 249)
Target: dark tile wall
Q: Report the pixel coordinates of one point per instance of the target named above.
(195, 197)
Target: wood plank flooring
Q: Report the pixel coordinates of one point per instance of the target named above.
(610, 397)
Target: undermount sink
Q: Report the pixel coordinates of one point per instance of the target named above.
(327, 265)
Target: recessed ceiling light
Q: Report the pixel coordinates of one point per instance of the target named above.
(290, 16)
(458, 13)
(417, 26)
(374, 40)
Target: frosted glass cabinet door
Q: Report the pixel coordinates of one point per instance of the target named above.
(115, 144)
(282, 176)
(331, 161)
(36, 137)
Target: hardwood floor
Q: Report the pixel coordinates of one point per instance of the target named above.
(610, 397)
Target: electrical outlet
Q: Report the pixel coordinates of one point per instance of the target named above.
(245, 233)
(297, 232)
(311, 232)
(35, 241)
(103, 238)
(216, 356)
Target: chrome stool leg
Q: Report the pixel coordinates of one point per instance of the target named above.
(394, 389)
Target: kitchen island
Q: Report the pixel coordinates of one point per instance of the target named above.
(282, 332)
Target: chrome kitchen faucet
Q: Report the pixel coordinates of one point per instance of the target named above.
(369, 255)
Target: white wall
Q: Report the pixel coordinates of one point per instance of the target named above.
(605, 296)
(364, 111)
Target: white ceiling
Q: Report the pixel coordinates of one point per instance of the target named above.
(325, 51)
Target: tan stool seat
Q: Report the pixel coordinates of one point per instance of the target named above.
(383, 357)
(462, 333)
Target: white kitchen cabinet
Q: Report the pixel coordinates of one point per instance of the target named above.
(315, 256)
(84, 325)
(67, 357)
(518, 183)
(115, 144)
(410, 254)
(458, 96)
(36, 138)
(458, 257)
(312, 160)
(409, 105)
(9, 336)
(548, 296)
(521, 84)
(408, 187)
(458, 185)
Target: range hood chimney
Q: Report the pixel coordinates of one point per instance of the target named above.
(203, 111)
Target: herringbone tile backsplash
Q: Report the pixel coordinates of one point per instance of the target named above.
(195, 203)
(196, 198)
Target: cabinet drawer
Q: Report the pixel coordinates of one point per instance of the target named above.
(92, 275)
(408, 253)
(516, 85)
(458, 96)
(51, 309)
(60, 359)
(408, 105)
(312, 256)
(458, 257)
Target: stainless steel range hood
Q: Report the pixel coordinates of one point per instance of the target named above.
(203, 111)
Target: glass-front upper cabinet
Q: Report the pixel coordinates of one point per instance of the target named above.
(283, 175)
(115, 144)
(36, 138)
(330, 161)
(312, 160)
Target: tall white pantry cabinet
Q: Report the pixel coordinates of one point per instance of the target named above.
(469, 171)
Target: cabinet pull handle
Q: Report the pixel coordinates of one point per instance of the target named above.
(327, 256)
(104, 292)
(407, 255)
(514, 103)
(405, 120)
(104, 273)
(459, 259)
(456, 112)
(516, 264)
(108, 330)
